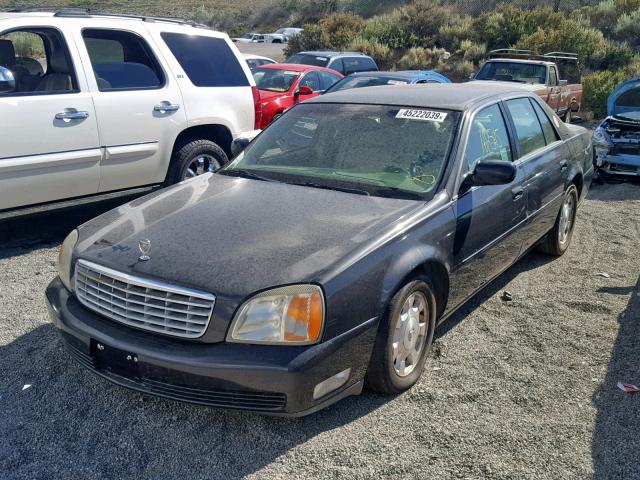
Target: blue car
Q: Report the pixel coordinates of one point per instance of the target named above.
(616, 141)
(378, 79)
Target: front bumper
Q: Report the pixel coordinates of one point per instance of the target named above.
(612, 162)
(277, 380)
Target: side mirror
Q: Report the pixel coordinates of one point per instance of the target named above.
(491, 172)
(305, 90)
(564, 83)
(7, 81)
(238, 146)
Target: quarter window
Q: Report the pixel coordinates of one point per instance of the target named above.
(528, 129)
(550, 134)
(327, 79)
(122, 61)
(207, 61)
(488, 138)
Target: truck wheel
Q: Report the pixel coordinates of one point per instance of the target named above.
(557, 241)
(195, 158)
(404, 339)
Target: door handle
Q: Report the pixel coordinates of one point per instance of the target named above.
(164, 107)
(517, 193)
(72, 114)
(564, 165)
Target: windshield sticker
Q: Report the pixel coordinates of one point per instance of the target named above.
(396, 82)
(425, 115)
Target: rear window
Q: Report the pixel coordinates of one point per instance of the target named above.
(359, 64)
(305, 59)
(207, 61)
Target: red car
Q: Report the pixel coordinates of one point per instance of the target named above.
(283, 85)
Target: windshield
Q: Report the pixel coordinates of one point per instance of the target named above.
(274, 80)
(366, 149)
(303, 59)
(365, 81)
(513, 72)
(627, 105)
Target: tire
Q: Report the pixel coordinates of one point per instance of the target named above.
(383, 374)
(557, 241)
(195, 158)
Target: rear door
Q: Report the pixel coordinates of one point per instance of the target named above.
(138, 105)
(49, 147)
(543, 157)
(489, 217)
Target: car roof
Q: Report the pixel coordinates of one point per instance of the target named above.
(446, 96)
(331, 54)
(296, 67)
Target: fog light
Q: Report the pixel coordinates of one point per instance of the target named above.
(331, 384)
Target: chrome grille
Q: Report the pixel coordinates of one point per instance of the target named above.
(143, 303)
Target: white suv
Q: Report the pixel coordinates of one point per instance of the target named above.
(96, 105)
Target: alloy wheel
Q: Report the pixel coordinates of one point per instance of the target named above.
(410, 334)
(201, 164)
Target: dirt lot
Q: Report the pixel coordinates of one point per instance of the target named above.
(520, 389)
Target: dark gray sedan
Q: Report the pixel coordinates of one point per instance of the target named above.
(325, 255)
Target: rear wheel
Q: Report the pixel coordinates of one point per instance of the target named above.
(557, 241)
(196, 158)
(404, 339)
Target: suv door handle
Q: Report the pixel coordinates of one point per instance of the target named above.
(164, 107)
(517, 193)
(72, 114)
(564, 165)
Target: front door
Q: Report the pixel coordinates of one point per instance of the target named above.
(49, 147)
(138, 103)
(486, 239)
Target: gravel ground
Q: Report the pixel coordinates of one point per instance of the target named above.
(520, 389)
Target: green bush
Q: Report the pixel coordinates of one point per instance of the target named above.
(382, 54)
(597, 88)
(420, 58)
(627, 28)
(386, 29)
(473, 52)
(459, 71)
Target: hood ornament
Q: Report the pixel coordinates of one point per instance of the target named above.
(144, 245)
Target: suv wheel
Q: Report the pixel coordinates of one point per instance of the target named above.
(404, 339)
(196, 158)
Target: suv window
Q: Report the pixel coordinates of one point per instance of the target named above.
(550, 134)
(488, 137)
(553, 76)
(207, 61)
(327, 80)
(358, 64)
(121, 60)
(528, 129)
(312, 80)
(306, 59)
(38, 61)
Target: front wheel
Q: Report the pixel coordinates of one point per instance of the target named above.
(404, 339)
(196, 158)
(557, 241)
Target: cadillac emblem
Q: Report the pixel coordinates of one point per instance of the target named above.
(144, 246)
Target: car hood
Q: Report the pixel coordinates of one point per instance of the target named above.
(614, 108)
(233, 236)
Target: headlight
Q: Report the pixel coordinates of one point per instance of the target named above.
(292, 315)
(600, 137)
(64, 258)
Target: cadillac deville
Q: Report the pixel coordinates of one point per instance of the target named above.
(324, 256)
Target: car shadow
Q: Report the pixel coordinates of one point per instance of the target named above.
(45, 230)
(72, 424)
(625, 189)
(616, 438)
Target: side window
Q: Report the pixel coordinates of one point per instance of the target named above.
(488, 138)
(35, 61)
(207, 61)
(365, 64)
(550, 134)
(338, 66)
(122, 60)
(350, 65)
(553, 76)
(327, 80)
(528, 129)
(312, 80)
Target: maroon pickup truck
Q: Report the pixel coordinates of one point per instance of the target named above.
(539, 74)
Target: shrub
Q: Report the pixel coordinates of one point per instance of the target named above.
(451, 35)
(337, 31)
(420, 58)
(382, 54)
(459, 71)
(386, 29)
(422, 21)
(617, 55)
(628, 28)
(309, 39)
(473, 52)
(597, 88)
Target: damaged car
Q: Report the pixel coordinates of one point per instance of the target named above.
(616, 142)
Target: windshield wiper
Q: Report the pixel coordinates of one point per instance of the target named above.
(393, 192)
(329, 187)
(245, 174)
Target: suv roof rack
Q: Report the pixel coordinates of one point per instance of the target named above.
(529, 55)
(79, 12)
